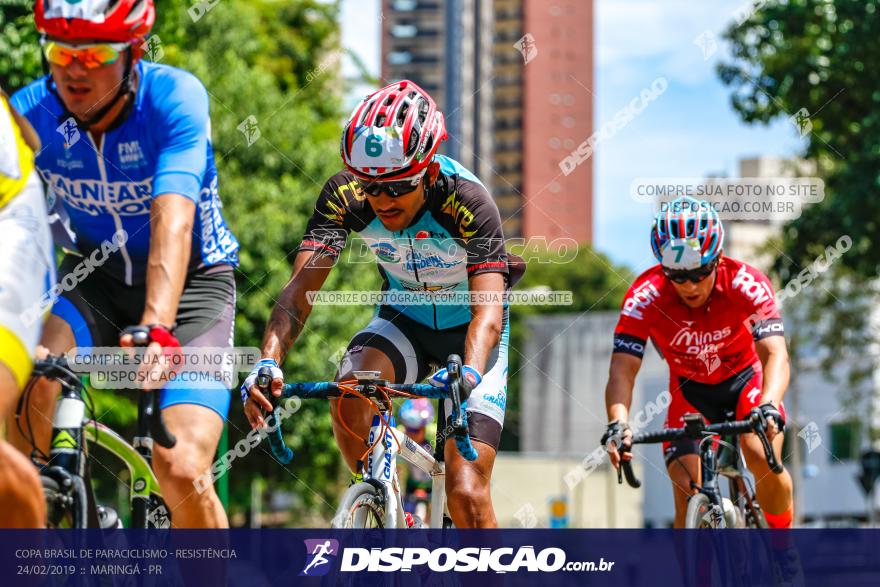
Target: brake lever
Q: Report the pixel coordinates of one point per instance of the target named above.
(760, 427)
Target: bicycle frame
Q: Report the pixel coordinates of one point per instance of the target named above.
(71, 433)
(143, 481)
(381, 466)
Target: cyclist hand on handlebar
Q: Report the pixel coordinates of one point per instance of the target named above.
(775, 420)
(255, 402)
(162, 356)
(616, 435)
(470, 377)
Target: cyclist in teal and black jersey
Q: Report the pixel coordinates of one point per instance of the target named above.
(434, 228)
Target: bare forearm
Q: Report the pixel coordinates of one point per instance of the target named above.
(773, 353)
(483, 335)
(293, 308)
(619, 389)
(285, 325)
(170, 245)
(776, 376)
(618, 397)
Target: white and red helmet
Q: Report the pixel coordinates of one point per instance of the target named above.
(393, 133)
(122, 21)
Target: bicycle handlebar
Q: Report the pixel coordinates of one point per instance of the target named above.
(56, 367)
(372, 389)
(755, 423)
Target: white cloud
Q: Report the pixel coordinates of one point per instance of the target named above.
(660, 35)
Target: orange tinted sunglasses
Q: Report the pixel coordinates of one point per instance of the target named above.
(91, 56)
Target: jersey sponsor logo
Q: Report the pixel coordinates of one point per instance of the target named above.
(692, 338)
(499, 399)
(628, 345)
(767, 328)
(218, 242)
(130, 154)
(755, 290)
(641, 298)
(386, 252)
(709, 355)
(94, 197)
(416, 261)
(462, 216)
(434, 287)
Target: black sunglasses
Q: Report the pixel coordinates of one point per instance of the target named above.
(394, 189)
(693, 275)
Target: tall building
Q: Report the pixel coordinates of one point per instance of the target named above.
(557, 117)
(514, 78)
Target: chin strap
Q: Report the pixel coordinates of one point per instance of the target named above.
(126, 88)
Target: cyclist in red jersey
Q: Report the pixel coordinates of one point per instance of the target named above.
(715, 321)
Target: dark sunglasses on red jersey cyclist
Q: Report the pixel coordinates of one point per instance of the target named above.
(693, 275)
(394, 189)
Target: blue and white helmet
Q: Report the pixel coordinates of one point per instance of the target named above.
(416, 413)
(687, 235)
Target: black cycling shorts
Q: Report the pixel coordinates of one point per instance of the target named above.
(99, 307)
(416, 350)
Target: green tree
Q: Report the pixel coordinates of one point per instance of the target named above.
(812, 61)
(817, 58)
(261, 59)
(18, 46)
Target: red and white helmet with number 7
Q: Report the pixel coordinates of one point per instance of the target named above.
(393, 133)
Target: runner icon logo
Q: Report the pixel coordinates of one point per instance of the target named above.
(320, 552)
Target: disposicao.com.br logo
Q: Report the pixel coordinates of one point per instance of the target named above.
(468, 559)
(320, 552)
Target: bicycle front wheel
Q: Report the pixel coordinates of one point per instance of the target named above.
(362, 507)
(699, 512)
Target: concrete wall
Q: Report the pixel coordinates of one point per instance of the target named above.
(524, 484)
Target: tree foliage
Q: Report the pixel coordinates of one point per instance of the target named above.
(260, 59)
(818, 57)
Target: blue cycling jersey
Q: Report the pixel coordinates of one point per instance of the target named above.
(455, 236)
(163, 146)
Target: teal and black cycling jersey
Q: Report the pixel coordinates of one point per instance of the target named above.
(456, 235)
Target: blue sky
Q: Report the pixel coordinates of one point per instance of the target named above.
(689, 131)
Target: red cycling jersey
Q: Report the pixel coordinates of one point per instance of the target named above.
(707, 344)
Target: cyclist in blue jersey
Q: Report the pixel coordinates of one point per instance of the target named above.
(128, 162)
(434, 228)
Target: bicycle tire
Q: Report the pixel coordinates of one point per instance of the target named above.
(698, 507)
(361, 504)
